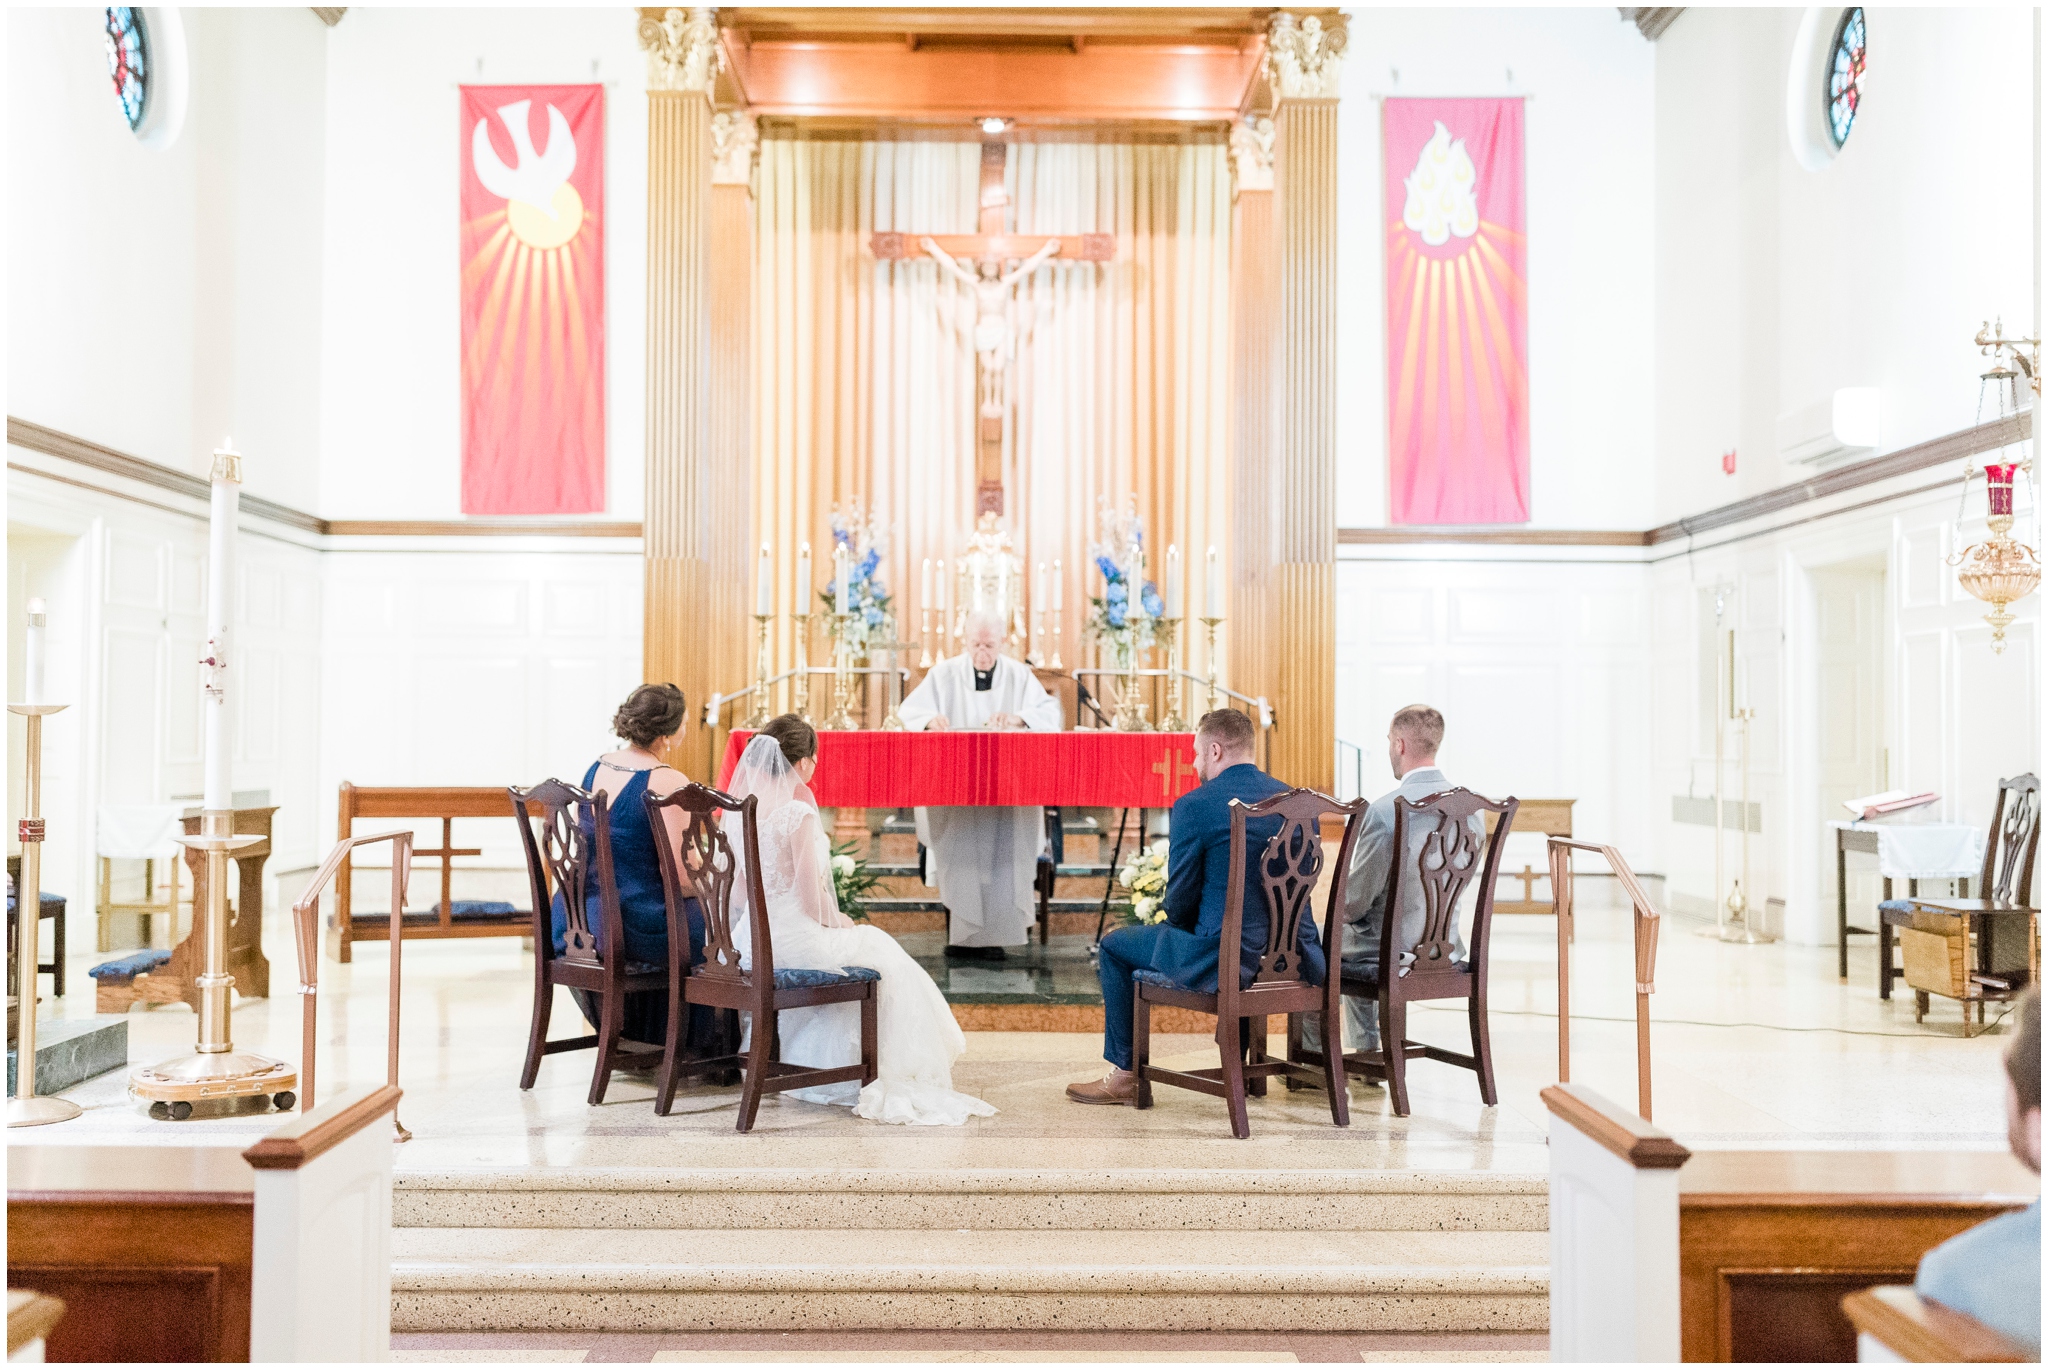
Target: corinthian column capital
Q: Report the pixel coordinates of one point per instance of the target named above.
(735, 138)
(1305, 55)
(682, 49)
(1251, 153)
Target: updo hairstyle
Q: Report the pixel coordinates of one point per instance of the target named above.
(797, 738)
(649, 714)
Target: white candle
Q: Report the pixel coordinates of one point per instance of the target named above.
(924, 591)
(1134, 584)
(1038, 589)
(1173, 580)
(220, 580)
(764, 586)
(845, 569)
(1212, 597)
(802, 594)
(945, 607)
(32, 654)
(1059, 587)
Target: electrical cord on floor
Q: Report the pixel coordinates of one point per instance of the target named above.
(1695, 1022)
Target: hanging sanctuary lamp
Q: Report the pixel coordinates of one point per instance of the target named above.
(2001, 569)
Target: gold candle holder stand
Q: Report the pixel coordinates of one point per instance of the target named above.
(25, 1109)
(802, 707)
(1130, 710)
(1173, 722)
(215, 1072)
(924, 639)
(759, 718)
(842, 719)
(1215, 696)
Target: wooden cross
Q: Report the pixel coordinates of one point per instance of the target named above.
(992, 246)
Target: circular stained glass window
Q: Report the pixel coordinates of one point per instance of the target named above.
(1845, 76)
(128, 62)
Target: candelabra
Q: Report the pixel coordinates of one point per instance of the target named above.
(759, 718)
(1215, 696)
(25, 1109)
(892, 722)
(803, 667)
(1130, 710)
(842, 719)
(1172, 722)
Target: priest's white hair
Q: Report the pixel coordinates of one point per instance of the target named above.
(985, 618)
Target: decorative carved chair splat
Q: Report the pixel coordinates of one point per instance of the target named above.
(2016, 831)
(1450, 857)
(710, 872)
(1289, 866)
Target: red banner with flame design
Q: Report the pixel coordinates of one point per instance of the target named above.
(1457, 312)
(532, 299)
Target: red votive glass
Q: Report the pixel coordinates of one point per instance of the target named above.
(1999, 480)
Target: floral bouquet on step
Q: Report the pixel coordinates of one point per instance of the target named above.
(1144, 875)
(869, 618)
(852, 880)
(1124, 616)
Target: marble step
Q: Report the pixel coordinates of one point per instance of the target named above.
(980, 1200)
(558, 1279)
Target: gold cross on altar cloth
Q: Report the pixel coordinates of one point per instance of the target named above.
(989, 249)
(1170, 769)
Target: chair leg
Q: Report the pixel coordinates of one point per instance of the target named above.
(1254, 1032)
(1919, 1005)
(1231, 1044)
(1482, 1049)
(870, 1037)
(1141, 1047)
(1393, 1047)
(671, 1052)
(611, 1026)
(543, 1008)
(759, 1054)
(1884, 957)
(1333, 1069)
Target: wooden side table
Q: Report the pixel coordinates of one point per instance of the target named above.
(1864, 841)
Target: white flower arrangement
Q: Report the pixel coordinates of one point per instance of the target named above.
(1144, 875)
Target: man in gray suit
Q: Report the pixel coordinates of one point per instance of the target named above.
(1412, 739)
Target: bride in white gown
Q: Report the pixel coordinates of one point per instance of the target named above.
(918, 1037)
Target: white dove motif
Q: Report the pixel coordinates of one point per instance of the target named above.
(537, 177)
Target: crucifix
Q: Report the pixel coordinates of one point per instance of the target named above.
(988, 250)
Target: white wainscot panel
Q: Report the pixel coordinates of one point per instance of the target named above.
(573, 608)
(260, 706)
(1997, 717)
(1922, 573)
(182, 718)
(135, 572)
(132, 705)
(262, 596)
(469, 606)
(301, 602)
(1501, 728)
(475, 709)
(1611, 617)
(361, 606)
(367, 714)
(1672, 621)
(1758, 675)
(1922, 719)
(188, 582)
(1501, 615)
(1760, 600)
(576, 709)
(1405, 616)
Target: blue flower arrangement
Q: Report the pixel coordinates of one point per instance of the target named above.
(869, 619)
(1114, 616)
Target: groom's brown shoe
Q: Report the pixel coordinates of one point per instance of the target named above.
(1117, 1087)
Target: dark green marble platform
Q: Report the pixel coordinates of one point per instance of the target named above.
(1058, 973)
(72, 1050)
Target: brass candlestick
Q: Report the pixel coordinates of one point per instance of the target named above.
(924, 639)
(803, 667)
(842, 719)
(1055, 664)
(759, 718)
(25, 1109)
(1214, 696)
(1130, 710)
(1173, 722)
(892, 722)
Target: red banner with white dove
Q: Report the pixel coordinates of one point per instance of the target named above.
(532, 299)
(1457, 312)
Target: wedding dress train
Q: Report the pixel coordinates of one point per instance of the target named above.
(918, 1039)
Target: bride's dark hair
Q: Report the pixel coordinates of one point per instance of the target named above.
(797, 738)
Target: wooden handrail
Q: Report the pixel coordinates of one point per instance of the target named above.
(1621, 1132)
(306, 932)
(299, 1141)
(1646, 920)
(1921, 1330)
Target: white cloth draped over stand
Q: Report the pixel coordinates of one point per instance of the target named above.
(1926, 851)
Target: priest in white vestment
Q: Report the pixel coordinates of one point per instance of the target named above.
(984, 861)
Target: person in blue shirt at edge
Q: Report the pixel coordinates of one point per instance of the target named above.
(1993, 1271)
(1188, 945)
(648, 723)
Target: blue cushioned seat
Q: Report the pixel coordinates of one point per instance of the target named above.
(459, 909)
(128, 967)
(1897, 906)
(804, 978)
(1158, 979)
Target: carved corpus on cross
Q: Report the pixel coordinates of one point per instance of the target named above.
(989, 250)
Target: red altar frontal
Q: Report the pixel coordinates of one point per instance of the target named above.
(880, 770)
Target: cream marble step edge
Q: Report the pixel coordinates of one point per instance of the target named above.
(951, 1176)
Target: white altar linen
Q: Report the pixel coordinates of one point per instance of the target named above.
(1925, 851)
(982, 860)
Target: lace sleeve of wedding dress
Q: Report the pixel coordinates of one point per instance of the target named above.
(793, 865)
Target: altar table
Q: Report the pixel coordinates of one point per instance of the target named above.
(983, 769)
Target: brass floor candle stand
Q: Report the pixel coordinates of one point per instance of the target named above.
(1173, 722)
(1215, 698)
(842, 719)
(756, 720)
(803, 667)
(25, 1109)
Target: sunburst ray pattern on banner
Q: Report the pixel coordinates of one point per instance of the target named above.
(1457, 312)
(533, 353)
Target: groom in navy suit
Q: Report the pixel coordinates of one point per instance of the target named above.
(1188, 945)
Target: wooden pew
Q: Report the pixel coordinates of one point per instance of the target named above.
(210, 1251)
(1550, 818)
(446, 803)
(1894, 1323)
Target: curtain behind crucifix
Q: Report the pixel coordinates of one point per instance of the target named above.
(864, 371)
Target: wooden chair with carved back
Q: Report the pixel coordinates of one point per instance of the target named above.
(708, 871)
(1448, 859)
(1288, 866)
(571, 855)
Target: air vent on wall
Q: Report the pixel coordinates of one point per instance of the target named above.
(1842, 426)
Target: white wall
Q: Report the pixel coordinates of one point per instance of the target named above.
(1777, 285)
(392, 426)
(157, 296)
(1589, 145)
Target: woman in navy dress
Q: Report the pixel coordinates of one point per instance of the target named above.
(648, 723)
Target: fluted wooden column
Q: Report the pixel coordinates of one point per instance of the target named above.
(1254, 310)
(677, 539)
(1304, 54)
(729, 593)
